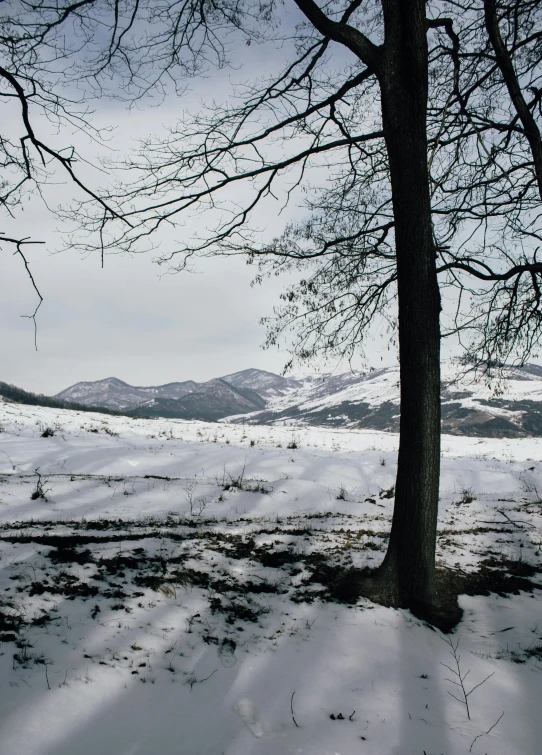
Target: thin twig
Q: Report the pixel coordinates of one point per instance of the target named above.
(193, 681)
(18, 250)
(486, 732)
(292, 709)
(516, 523)
(9, 457)
(460, 676)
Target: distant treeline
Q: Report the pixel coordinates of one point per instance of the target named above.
(20, 396)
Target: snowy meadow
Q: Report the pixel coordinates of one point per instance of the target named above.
(187, 588)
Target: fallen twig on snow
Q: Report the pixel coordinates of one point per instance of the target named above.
(486, 732)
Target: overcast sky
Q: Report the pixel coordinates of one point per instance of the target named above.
(130, 321)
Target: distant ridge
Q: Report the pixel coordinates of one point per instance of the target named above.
(241, 392)
(186, 400)
(20, 396)
(351, 400)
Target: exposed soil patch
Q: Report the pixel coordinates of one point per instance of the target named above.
(69, 555)
(304, 564)
(503, 577)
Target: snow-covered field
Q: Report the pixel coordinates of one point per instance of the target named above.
(182, 588)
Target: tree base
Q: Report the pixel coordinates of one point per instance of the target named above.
(504, 577)
(443, 612)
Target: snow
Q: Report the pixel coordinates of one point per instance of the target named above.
(172, 514)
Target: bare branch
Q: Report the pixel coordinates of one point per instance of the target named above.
(19, 243)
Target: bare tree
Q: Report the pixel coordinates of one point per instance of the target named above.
(306, 110)
(423, 117)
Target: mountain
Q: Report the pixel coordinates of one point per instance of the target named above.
(351, 399)
(118, 395)
(267, 384)
(209, 401)
(187, 400)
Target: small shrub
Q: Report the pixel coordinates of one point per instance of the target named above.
(341, 494)
(467, 496)
(197, 505)
(39, 491)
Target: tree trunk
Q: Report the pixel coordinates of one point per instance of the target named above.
(407, 575)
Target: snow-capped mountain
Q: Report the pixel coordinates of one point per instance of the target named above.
(210, 401)
(187, 400)
(267, 384)
(351, 399)
(116, 394)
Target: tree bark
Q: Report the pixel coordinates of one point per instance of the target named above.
(407, 575)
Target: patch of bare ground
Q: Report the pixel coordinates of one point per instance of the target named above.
(305, 563)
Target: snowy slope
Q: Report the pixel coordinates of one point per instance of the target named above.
(169, 592)
(470, 406)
